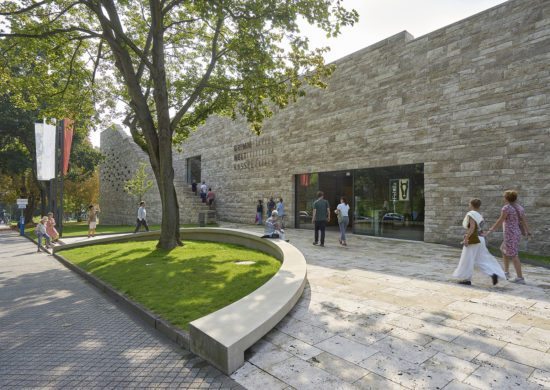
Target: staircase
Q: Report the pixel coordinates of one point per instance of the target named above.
(191, 206)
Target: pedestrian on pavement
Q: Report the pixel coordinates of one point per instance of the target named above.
(194, 187)
(342, 211)
(141, 217)
(270, 206)
(474, 250)
(41, 232)
(204, 191)
(281, 211)
(321, 215)
(514, 223)
(50, 227)
(210, 197)
(259, 212)
(92, 220)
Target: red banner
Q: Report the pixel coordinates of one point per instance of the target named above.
(68, 129)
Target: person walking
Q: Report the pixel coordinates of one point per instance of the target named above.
(342, 211)
(321, 215)
(259, 212)
(50, 227)
(92, 220)
(281, 211)
(474, 250)
(41, 232)
(204, 191)
(141, 217)
(270, 206)
(194, 187)
(210, 197)
(514, 224)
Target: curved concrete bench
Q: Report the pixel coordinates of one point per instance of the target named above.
(223, 336)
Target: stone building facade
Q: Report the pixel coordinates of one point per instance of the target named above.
(464, 109)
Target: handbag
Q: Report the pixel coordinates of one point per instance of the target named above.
(339, 216)
(521, 227)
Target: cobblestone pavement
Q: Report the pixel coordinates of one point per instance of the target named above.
(382, 314)
(57, 331)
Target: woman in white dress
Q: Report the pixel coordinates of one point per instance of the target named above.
(474, 250)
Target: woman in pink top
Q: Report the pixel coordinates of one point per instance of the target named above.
(512, 215)
(50, 227)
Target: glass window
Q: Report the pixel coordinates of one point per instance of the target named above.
(307, 185)
(389, 201)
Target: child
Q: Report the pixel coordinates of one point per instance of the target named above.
(41, 232)
(50, 227)
(92, 220)
(474, 250)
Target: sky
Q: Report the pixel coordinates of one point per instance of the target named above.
(380, 19)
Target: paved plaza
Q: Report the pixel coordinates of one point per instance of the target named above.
(381, 314)
(378, 314)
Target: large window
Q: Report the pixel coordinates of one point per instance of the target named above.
(386, 201)
(389, 201)
(193, 169)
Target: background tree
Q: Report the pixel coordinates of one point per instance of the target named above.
(18, 156)
(81, 193)
(179, 62)
(140, 183)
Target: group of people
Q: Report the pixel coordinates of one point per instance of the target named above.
(45, 229)
(206, 194)
(321, 216)
(474, 250)
(279, 207)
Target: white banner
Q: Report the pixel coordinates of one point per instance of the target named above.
(45, 151)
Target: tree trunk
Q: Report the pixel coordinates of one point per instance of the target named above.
(29, 211)
(170, 233)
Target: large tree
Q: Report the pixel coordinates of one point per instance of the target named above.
(178, 62)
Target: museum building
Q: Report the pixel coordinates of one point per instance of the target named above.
(408, 130)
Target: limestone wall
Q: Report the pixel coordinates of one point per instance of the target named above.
(471, 101)
(122, 159)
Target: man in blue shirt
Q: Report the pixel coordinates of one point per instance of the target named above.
(321, 215)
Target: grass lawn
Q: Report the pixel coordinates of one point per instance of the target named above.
(526, 256)
(180, 285)
(74, 229)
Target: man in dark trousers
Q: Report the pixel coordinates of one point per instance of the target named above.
(141, 217)
(321, 215)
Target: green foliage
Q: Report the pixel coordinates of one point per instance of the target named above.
(174, 63)
(140, 183)
(179, 285)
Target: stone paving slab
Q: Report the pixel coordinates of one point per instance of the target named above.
(384, 314)
(57, 331)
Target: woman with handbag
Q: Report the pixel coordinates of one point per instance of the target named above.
(474, 251)
(514, 222)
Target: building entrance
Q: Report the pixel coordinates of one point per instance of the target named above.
(333, 184)
(385, 201)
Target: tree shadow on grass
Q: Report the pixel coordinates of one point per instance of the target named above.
(180, 290)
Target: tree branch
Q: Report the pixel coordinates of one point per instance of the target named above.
(71, 67)
(204, 80)
(27, 9)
